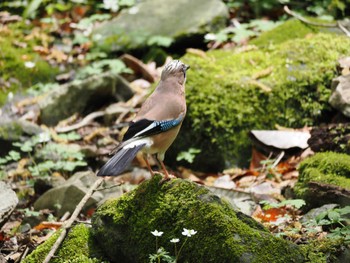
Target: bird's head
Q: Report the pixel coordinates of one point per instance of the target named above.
(175, 69)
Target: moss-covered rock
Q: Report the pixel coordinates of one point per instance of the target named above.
(289, 30)
(124, 227)
(13, 57)
(231, 92)
(324, 178)
(78, 247)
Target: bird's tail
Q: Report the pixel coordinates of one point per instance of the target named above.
(120, 161)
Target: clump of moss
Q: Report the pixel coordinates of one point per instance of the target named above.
(325, 250)
(78, 247)
(328, 168)
(291, 29)
(13, 57)
(229, 93)
(124, 226)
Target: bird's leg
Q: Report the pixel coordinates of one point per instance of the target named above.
(148, 165)
(164, 169)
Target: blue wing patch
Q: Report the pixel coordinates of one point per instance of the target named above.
(156, 127)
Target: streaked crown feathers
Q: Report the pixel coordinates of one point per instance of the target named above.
(173, 67)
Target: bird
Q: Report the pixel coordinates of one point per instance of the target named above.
(156, 124)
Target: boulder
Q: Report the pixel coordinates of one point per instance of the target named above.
(67, 196)
(124, 227)
(340, 98)
(230, 92)
(8, 202)
(149, 20)
(12, 130)
(324, 179)
(82, 96)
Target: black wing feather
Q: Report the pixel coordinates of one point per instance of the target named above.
(120, 161)
(136, 127)
(144, 127)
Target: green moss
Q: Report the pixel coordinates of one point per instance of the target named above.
(225, 103)
(324, 250)
(329, 168)
(12, 59)
(124, 226)
(78, 247)
(289, 30)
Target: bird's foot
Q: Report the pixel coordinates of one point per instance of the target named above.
(167, 178)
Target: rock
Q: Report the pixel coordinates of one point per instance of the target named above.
(179, 20)
(68, 195)
(15, 129)
(226, 99)
(12, 130)
(124, 227)
(340, 98)
(8, 202)
(324, 179)
(313, 213)
(291, 29)
(275, 141)
(83, 96)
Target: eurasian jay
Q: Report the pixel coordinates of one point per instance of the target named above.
(156, 125)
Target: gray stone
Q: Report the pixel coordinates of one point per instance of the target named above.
(313, 213)
(180, 19)
(14, 129)
(82, 96)
(68, 195)
(340, 98)
(8, 202)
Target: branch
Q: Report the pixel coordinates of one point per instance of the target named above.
(74, 216)
(303, 19)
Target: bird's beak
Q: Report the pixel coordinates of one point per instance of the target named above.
(187, 67)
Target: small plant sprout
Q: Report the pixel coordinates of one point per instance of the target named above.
(175, 240)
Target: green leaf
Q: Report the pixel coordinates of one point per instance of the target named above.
(160, 41)
(263, 25)
(188, 155)
(334, 216)
(72, 136)
(242, 34)
(15, 156)
(297, 203)
(31, 9)
(343, 211)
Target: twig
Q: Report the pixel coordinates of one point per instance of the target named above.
(303, 19)
(278, 159)
(306, 21)
(342, 28)
(87, 120)
(74, 216)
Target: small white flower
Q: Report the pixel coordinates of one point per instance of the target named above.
(111, 4)
(189, 232)
(156, 233)
(175, 240)
(29, 64)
